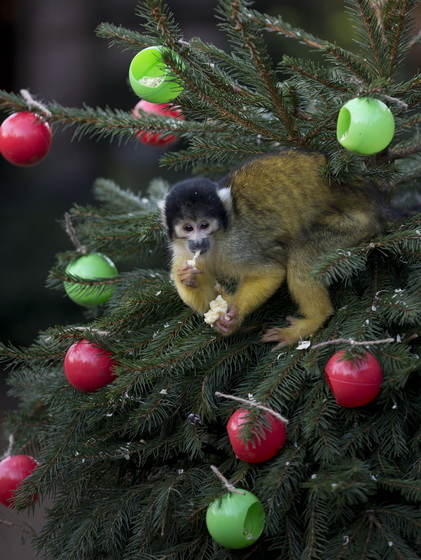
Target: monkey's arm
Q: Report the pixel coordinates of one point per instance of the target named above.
(251, 293)
(195, 287)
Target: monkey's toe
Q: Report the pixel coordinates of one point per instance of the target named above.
(300, 329)
(275, 335)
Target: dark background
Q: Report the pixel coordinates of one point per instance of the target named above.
(50, 48)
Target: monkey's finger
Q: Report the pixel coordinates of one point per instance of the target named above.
(227, 322)
(188, 277)
(191, 283)
(189, 267)
(222, 325)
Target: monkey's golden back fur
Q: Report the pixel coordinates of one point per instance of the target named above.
(281, 200)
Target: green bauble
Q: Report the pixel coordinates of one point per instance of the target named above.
(90, 267)
(236, 520)
(150, 77)
(365, 125)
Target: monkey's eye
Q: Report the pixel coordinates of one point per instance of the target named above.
(204, 225)
(188, 228)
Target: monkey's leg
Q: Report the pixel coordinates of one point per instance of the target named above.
(195, 287)
(312, 298)
(251, 293)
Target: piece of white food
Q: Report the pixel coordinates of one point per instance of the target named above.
(192, 262)
(217, 306)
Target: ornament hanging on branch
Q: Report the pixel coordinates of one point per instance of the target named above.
(25, 138)
(93, 266)
(264, 444)
(157, 138)
(236, 519)
(88, 367)
(14, 469)
(151, 78)
(354, 382)
(89, 267)
(365, 125)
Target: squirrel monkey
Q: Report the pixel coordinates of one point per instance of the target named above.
(266, 222)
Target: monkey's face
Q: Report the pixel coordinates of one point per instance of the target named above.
(193, 210)
(197, 233)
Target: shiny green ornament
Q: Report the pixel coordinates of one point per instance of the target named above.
(365, 125)
(236, 520)
(90, 267)
(151, 79)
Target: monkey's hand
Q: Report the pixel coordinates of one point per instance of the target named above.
(186, 275)
(227, 323)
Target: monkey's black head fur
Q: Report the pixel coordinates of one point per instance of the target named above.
(193, 199)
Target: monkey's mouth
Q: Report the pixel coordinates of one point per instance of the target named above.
(201, 245)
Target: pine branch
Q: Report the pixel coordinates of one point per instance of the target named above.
(345, 60)
(36, 352)
(397, 23)
(103, 123)
(233, 78)
(212, 152)
(367, 25)
(159, 21)
(410, 489)
(124, 38)
(316, 533)
(115, 199)
(406, 149)
(250, 38)
(121, 234)
(341, 264)
(344, 263)
(315, 73)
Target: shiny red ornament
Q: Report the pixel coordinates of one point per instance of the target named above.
(354, 382)
(88, 367)
(263, 445)
(157, 138)
(25, 138)
(13, 471)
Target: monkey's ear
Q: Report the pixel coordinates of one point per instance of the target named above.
(225, 196)
(161, 206)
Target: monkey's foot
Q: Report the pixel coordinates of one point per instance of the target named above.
(300, 329)
(187, 275)
(227, 323)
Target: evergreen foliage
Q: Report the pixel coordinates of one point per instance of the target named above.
(128, 467)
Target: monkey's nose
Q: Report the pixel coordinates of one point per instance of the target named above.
(201, 245)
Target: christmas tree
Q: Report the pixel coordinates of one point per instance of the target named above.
(136, 457)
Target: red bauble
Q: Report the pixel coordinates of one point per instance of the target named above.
(88, 367)
(354, 382)
(25, 139)
(157, 138)
(262, 446)
(13, 471)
